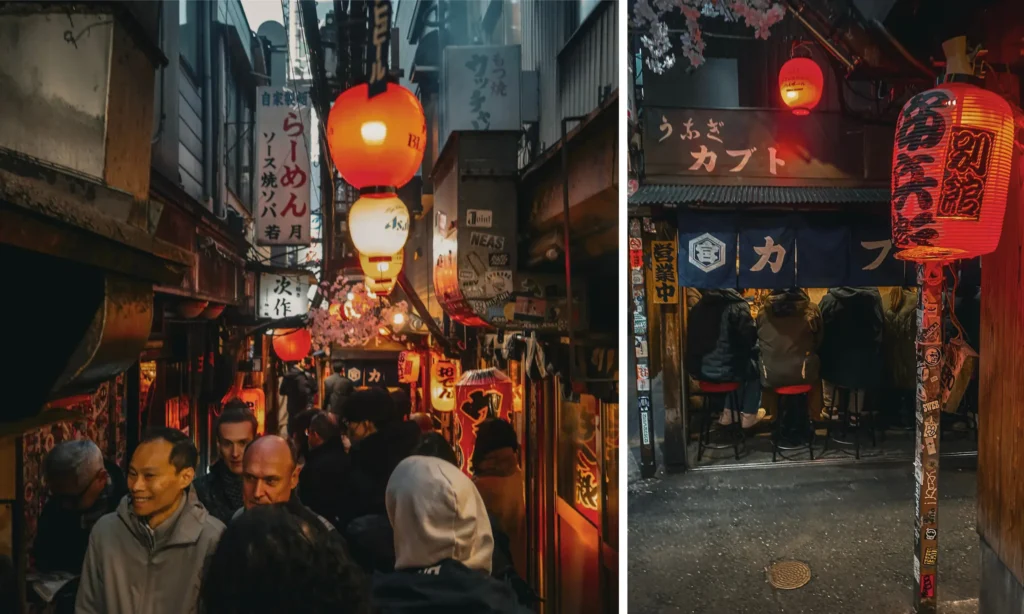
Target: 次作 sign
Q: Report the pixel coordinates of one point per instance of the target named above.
(282, 167)
(283, 296)
(664, 272)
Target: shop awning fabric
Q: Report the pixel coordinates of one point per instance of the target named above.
(759, 195)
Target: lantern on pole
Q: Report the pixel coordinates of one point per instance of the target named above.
(292, 345)
(480, 394)
(801, 84)
(377, 145)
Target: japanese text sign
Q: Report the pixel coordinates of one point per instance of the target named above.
(481, 85)
(282, 167)
(767, 257)
(762, 147)
(283, 296)
(378, 78)
(663, 269)
(443, 375)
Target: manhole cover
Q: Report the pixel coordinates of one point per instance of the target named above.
(788, 575)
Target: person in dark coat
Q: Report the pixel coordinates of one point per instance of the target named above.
(326, 471)
(337, 390)
(721, 346)
(298, 387)
(851, 351)
(789, 333)
(443, 545)
(379, 442)
(83, 487)
(220, 490)
(267, 563)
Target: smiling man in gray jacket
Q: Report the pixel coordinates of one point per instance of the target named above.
(148, 557)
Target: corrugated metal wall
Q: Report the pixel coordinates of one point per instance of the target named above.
(571, 76)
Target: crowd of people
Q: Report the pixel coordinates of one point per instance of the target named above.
(851, 341)
(359, 509)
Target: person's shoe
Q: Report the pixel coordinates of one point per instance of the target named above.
(749, 421)
(726, 418)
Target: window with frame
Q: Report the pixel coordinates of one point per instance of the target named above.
(190, 34)
(238, 142)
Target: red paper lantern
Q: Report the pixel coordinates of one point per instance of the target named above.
(292, 345)
(409, 367)
(378, 141)
(952, 161)
(480, 394)
(801, 84)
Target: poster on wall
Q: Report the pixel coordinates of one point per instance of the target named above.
(282, 171)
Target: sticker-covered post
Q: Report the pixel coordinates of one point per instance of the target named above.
(926, 465)
(638, 293)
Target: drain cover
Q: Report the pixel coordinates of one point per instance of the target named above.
(788, 575)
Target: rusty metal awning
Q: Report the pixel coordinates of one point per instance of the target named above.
(661, 194)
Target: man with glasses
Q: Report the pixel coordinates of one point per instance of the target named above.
(83, 487)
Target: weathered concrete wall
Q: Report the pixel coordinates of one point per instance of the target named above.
(1001, 593)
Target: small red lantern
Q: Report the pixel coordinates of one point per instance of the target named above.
(952, 161)
(408, 367)
(801, 84)
(480, 394)
(292, 345)
(379, 141)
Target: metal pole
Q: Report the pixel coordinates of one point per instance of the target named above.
(926, 465)
(638, 304)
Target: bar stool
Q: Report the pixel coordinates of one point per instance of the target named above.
(792, 399)
(721, 394)
(845, 426)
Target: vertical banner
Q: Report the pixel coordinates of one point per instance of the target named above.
(872, 257)
(664, 269)
(823, 254)
(379, 47)
(648, 463)
(926, 465)
(480, 394)
(282, 158)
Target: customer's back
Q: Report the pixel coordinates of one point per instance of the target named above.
(789, 333)
(851, 352)
(721, 338)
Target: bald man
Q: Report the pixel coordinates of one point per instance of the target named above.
(270, 475)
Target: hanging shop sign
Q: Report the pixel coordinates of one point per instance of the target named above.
(951, 172)
(409, 367)
(480, 394)
(256, 401)
(718, 146)
(664, 272)
(283, 296)
(481, 88)
(587, 485)
(443, 375)
(379, 47)
(283, 176)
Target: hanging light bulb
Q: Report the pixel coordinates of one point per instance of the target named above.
(399, 319)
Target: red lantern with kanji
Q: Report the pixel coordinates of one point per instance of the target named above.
(480, 394)
(801, 84)
(952, 161)
(443, 375)
(378, 141)
(292, 345)
(408, 367)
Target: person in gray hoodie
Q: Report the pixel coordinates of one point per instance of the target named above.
(148, 557)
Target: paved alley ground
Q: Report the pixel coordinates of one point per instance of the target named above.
(699, 542)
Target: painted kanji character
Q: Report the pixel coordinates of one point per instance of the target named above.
(289, 98)
(272, 232)
(704, 158)
(291, 206)
(292, 122)
(270, 208)
(499, 89)
(294, 177)
(268, 180)
(885, 247)
(265, 99)
(774, 160)
(766, 253)
(269, 163)
(269, 137)
(735, 153)
(373, 376)
(690, 132)
(665, 128)
(296, 232)
(303, 98)
(282, 286)
(713, 127)
(278, 99)
(282, 308)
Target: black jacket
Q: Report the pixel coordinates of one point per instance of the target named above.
(337, 390)
(298, 386)
(322, 481)
(721, 342)
(372, 461)
(851, 352)
(220, 492)
(447, 587)
(62, 536)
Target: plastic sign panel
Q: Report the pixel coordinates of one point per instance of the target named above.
(283, 296)
(282, 171)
